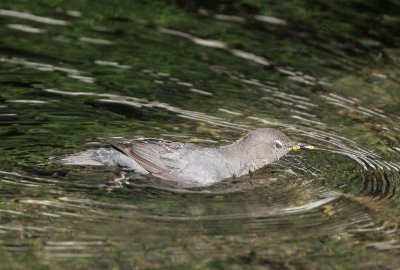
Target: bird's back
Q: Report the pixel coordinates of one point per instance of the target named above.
(181, 162)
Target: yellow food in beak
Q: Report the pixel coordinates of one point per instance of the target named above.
(295, 148)
(298, 147)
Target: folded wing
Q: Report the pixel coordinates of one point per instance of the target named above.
(160, 157)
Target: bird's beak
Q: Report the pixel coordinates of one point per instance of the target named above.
(300, 146)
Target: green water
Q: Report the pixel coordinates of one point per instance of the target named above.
(74, 74)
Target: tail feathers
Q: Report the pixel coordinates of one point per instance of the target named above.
(101, 157)
(89, 157)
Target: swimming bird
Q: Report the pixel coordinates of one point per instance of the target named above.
(190, 164)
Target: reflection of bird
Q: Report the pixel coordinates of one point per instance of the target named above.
(190, 164)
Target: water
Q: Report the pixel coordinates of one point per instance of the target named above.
(75, 74)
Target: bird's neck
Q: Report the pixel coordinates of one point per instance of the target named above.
(241, 157)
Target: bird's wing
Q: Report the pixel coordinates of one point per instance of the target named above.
(159, 157)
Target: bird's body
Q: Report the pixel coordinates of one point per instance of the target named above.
(187, 163)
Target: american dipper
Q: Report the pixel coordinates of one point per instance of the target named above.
(189, 164)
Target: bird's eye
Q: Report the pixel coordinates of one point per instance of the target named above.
(278, 144)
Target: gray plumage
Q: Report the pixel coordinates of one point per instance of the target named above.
(189, 164)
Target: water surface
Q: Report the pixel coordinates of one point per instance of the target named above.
(75, 74)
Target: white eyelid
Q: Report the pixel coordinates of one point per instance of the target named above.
(278, 144)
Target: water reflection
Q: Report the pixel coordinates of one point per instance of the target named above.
(71, 73)
(31, 17)
(138, 103)
(25, 28)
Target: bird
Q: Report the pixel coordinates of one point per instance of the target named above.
(189, 164)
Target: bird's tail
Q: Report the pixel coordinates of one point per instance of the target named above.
(97, 157)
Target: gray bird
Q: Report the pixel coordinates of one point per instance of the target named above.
(189, 164)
